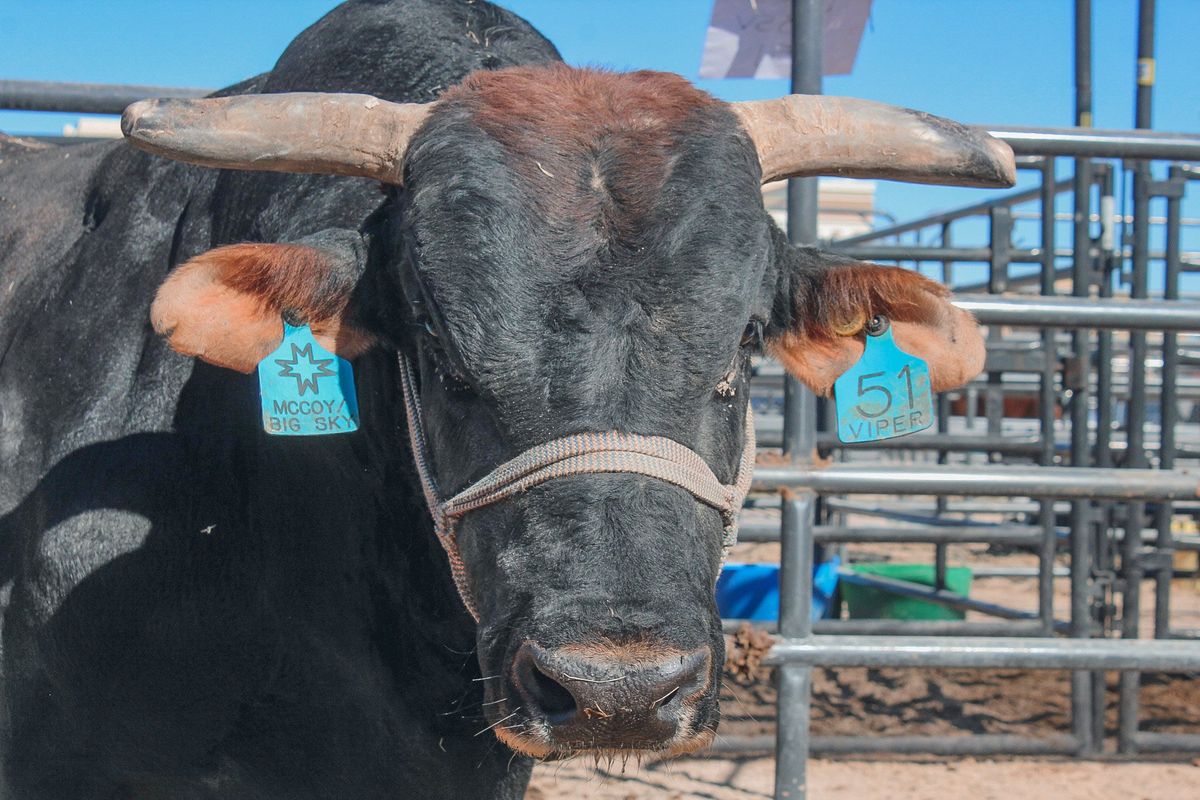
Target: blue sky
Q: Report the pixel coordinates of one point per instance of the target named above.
(979, 61)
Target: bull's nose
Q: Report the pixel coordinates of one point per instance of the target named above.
(610, 697)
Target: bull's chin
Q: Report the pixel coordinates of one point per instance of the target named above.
(679, 745)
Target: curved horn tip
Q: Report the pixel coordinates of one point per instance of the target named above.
(1006, 164)
(134, 115)
(802, 135)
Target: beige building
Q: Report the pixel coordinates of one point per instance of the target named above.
(95, 128)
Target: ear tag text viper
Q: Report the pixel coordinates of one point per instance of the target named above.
(886, 394)
(305, 389)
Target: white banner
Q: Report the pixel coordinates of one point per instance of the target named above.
(753, 38)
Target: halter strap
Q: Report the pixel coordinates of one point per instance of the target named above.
(576, 454)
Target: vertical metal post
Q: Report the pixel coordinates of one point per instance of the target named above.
(794, 681)
(1081, 681)
(1046, 404)
(943, 407)
(799, 404)
(1109, 267)
(1170, 409)
(1000, 226)
(1131, 567)
(1145, 64)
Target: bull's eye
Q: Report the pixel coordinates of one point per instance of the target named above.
(752, 337)
(443, 365)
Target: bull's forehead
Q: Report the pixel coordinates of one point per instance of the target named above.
(592, 239)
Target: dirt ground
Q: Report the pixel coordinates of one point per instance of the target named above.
(887, 702)
(966, 779)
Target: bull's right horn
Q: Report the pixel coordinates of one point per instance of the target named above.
(333, 134)
(802, 135)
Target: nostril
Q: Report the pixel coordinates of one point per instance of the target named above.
(586, 694)
(536, 680)
(556, 702)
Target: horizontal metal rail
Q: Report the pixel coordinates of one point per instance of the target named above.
(976, 255)
(1150, 742)
(1016, 572)
(1087, 142)
(925, 513)
(82, 98)
(908, 252)
(994, 481)
(947, 443)
(903, 627)
(998, 652)
(929, 627)
(987, 744)
(1082, 312)
(951, 534)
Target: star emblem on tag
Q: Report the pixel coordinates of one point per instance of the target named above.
(305, 368)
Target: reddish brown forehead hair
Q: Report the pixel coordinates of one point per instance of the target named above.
(595, 144)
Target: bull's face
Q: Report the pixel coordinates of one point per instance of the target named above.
(587, 268)
(577, 252)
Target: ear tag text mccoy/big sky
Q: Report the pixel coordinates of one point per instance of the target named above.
(886, 394)
(305, 389)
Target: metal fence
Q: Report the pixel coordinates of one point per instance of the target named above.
(1114, 498)
(1118, 521)
(1111, 497)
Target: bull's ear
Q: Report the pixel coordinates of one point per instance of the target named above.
(226, 306)
(824, 303)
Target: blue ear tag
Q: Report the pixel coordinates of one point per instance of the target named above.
(306, 390)
(886, 394)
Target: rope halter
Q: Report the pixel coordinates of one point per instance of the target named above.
(577, 454)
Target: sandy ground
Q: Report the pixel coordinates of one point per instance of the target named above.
(930, 702)
(961, 779)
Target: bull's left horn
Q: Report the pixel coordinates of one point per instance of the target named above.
(334, 134)
(802, 135)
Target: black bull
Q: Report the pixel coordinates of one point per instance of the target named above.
(193, 608)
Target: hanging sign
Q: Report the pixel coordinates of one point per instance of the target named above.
(753, 38)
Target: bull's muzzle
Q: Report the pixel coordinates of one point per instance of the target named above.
(571, 699)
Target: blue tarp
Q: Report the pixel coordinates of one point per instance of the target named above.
(751, 591)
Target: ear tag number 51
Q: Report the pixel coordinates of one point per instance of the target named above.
(305, 389)
(886, 394)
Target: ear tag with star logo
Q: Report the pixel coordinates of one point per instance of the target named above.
(305, 389)
(886, 394)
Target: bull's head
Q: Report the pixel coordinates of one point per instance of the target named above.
(574, 251)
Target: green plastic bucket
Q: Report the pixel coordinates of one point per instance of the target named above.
(868, 602)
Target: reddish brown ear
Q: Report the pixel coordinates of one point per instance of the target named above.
(833, 309)
(226, 306)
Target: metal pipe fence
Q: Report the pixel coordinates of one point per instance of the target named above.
(1110, 484)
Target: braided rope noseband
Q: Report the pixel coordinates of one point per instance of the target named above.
(576, 454)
